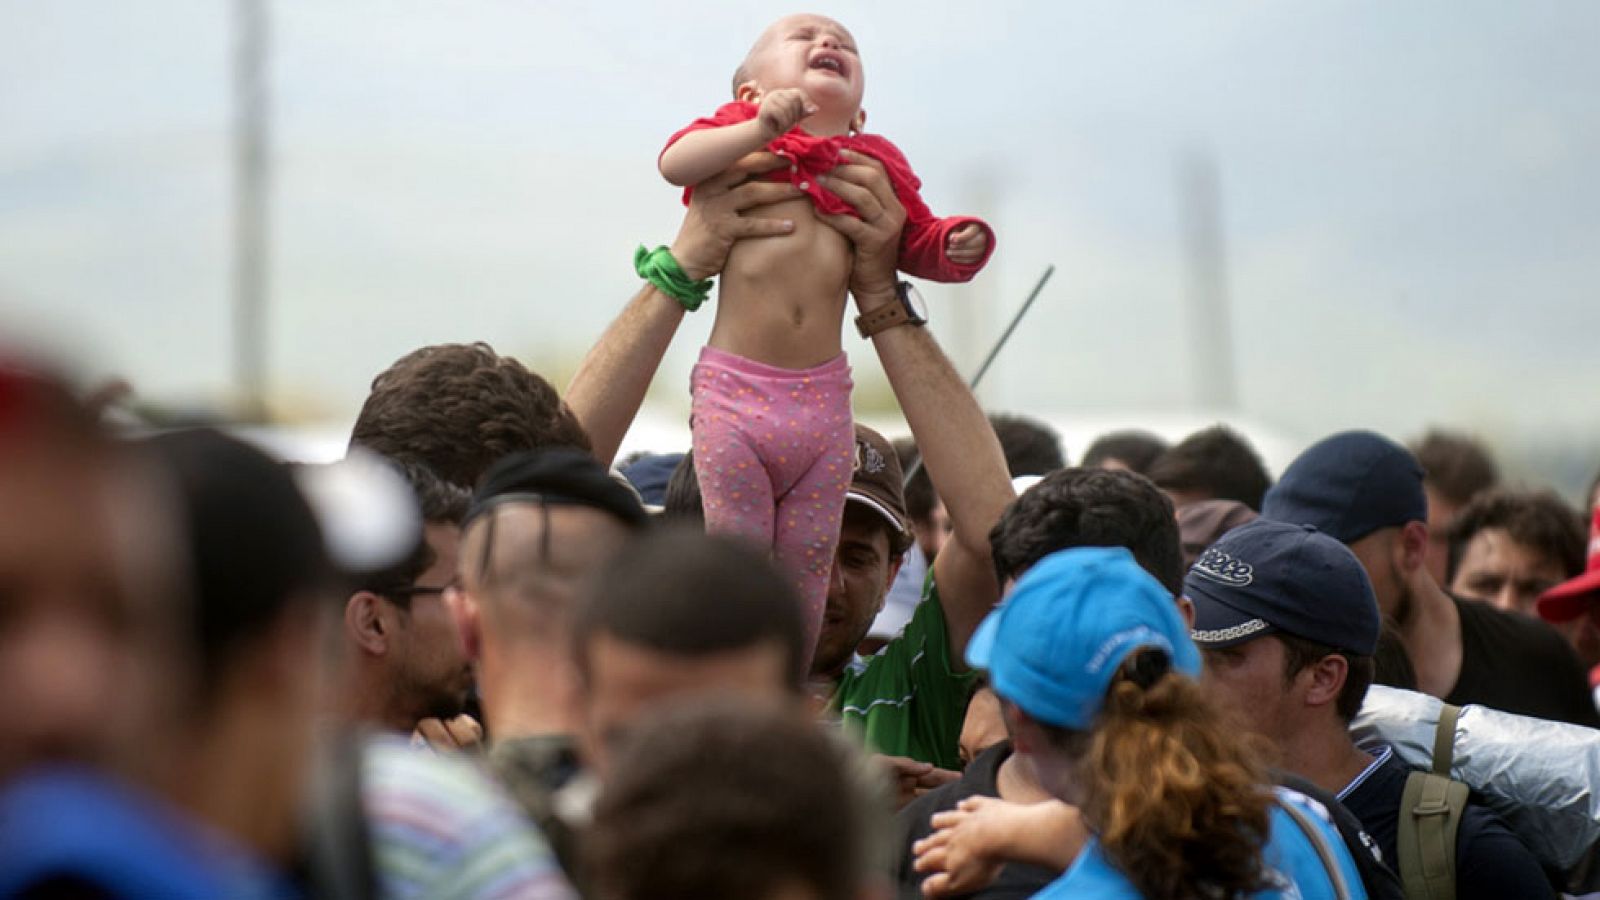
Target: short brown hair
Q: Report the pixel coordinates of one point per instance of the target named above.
(726, 799)
(1217, 461)
(458, 408)
(1538, 520)
(1455, 465)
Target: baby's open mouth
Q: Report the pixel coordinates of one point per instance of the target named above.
(830, 61)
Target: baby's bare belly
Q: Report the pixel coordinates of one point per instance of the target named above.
(781, 300)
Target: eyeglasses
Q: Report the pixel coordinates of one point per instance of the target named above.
(402, 595)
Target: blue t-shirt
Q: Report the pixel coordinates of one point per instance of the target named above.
(1289, 854)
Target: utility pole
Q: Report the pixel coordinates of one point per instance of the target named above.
(1211, 328)
(251, 223)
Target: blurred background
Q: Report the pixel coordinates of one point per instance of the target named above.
(1295, 217)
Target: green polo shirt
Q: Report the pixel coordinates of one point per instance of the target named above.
(906, 699)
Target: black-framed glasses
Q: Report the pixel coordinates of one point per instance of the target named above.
(403, 595)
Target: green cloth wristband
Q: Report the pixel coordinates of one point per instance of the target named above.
(660, 269)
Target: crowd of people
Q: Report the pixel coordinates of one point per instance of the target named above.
(483, 657)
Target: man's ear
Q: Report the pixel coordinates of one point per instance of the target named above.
(1186, 610)
(469, 625)
(747, 92)
(364, 624)
(1411, 547)
(1326, 678)
(859, 123)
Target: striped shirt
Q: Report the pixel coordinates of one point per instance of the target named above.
(441, 828)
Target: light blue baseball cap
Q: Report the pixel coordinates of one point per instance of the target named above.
(1072, 619)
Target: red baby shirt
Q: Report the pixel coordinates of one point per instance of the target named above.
(922, 241)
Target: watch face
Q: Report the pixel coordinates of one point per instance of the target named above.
(916, 307)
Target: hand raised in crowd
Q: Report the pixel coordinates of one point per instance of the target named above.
(782, 110)
(449, 735)
(967, 244)
(716, 215)
(861, 182)
(912, 779)
(971, 842)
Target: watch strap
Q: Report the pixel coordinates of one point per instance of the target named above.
(883, 318)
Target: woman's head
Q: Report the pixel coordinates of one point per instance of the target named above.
(1096, 672)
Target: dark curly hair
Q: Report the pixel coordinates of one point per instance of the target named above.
(458, 408)
(1539, 520)
(1090, 508)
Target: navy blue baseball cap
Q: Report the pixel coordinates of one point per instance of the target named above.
(1269, 576)
(1053, 647)
(1349, 485)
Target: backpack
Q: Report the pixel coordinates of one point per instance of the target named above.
(1430, 816)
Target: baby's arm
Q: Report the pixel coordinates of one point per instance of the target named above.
(700, 154)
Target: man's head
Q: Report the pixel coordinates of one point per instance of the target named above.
(93, 612)
(930, 523)
(1031, 447)
(682, 613)
(1288, 624)
(873, 537)
(262, 586)
(728, 799)
(812, 53)
(1053, 649)
(1201, 524)
(409, 662)
(1456, 468)
(1214, 464)
(1090, 508)
(1134, 451)
(1365, 491)
(541, 526)
(1507, 547)
(457, 408)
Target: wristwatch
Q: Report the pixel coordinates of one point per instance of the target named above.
(909, 311)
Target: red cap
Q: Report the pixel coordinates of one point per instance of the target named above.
(1570, 599)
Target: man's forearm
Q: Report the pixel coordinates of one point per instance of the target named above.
(610, 384)
(958, 447)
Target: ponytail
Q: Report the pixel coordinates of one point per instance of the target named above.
(1176, 797)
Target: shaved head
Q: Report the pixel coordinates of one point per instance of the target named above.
(530, 565)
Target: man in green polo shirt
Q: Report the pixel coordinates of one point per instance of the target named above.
(908, 699)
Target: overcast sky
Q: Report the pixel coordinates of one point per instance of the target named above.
(1410, 205)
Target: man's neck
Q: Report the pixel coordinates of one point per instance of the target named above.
(241, 774)
(1432, 637)
(527, 700)
(1325, 756)
(368, 699)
